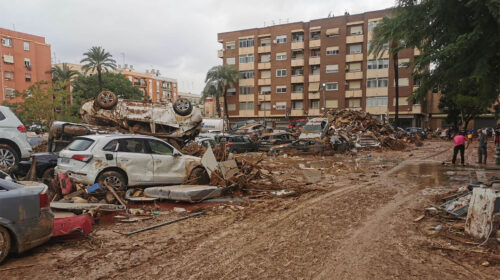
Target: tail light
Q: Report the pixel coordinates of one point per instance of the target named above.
(229, 144)
(44, 200)
(84, 158)
(21, 128)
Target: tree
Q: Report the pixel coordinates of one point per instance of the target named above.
(211, 90)
(86, 87)
(97, 59)
(62, 73)
(388, 34)
(222, 77)
(458, 43)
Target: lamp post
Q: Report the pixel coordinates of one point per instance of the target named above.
(322, 99)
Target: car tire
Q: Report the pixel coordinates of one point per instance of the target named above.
(8, 157)
(113, 179)
(106, 100)
(5, 243)
(183, 107)
(199, 176)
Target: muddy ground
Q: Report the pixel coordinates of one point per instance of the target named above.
(356, 221)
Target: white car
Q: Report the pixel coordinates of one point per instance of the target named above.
(14, 144)
(127, 160)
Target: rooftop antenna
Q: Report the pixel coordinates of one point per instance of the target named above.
(346, 13)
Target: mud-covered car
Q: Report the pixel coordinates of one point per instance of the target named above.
(300, 147)
(268, 140)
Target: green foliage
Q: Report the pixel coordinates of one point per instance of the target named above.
(87, 87)
(98, 59)
(219, 79)
(62, 73)
(43, 104)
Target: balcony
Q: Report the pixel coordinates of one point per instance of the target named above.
(264, 49)
(246, 113)
(354, 57)
(297, 61)
(297, 95)
(249, 50)
(246, 97)
(264, 82)
(297, 79)
(297, 45)
(246, 82)
(354, 75)
(315, 95)
(220, 53)
(314, 60)
(314, 43)
(264, 97)
(416, 109)
(314, 78)
(377, 73)
(376, 110)
(313, 112)
(296, 112)
(264, 65)
(246, 66)
(377, 91)
(354, 39)
(353, 93)
(385, 54)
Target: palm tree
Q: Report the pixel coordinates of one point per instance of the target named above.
(387, 31)
(98, 59)
(211, 90)
(62, 73)
(222, 77)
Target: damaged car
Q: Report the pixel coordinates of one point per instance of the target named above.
(269, 140)
(300, 147)
(127, 160)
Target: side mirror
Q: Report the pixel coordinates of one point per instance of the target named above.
(177, 154)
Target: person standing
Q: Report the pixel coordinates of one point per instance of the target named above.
(481, 149)
(459, 141)
(497, 136)
(470, 134)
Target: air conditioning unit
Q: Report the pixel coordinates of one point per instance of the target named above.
(275, 41)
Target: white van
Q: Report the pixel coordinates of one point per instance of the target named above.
(212, 124)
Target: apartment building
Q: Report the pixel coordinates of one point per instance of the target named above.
(299, 70)
(25, 61)
(157, 87)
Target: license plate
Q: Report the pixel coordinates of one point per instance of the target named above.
(65, 160)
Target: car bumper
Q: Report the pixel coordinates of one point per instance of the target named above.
(81, 176)
(38, 233)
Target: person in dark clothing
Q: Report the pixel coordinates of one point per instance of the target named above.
(459, 141)
(481, 149)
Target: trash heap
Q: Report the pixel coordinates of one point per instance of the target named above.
(355, 126)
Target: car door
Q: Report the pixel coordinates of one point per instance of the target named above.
(133, 157)
(169, 165)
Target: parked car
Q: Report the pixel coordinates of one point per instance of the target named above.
(204, 141)
(300, 147)
(25, 217)
(251, 129)
(237, 125)
(266, 141)
(14, 144)
(238, 143)
(45, 164)
(127, 160)
(314, 128)
(416, 130)
(210, 134)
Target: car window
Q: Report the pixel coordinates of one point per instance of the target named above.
(160, 148)
(111, 146)
(80, 144)
(131, 146)
(247, 139)
(2, 116)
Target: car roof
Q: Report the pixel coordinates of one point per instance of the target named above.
(116, 136)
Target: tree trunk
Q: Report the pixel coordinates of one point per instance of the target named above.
(99, 78)
(226, 113)
(396, 85)
(217, 106)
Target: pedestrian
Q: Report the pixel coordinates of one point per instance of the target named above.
(497, 136)
(481, 149)
(459, 141)
(469, 135)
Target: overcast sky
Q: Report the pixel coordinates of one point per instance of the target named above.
(178, 37)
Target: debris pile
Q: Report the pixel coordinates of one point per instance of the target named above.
(194, 149)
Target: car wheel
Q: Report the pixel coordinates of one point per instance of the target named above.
(112, 179)
(4, 243)
(183, 107)
(106, 99)
(199, 176)
(8, 157)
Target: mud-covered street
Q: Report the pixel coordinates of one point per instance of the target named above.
(357, 222)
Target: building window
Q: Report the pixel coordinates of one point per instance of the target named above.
(231, 92)
(297, 37)
(10, 92)
(403, 101)
(246, 105)
(266, 41)
(315, 35)
(247, 74)
(7, 42)
(265, 74)
(281, 89)
(354, 85)
(354, 67)
(280, 105)
(332, 103)
(280, 39)
(246, 58)
(297, 88)
(281, 56)
(403, 62)
(231, 107)
(265, 106)
(354, 103)
(8, 76)
(230, 60)
(26, 46)
(315, 52)
(382, 63)
(265, 57)
(314, 104)
(332, 86)
(27, 77)
(402, 82)
(265, 90)
(297, 105)
(353, 49)
(356, 30)
(297, 71)
(246, 90)
(281, 73)
(377, 82)
(371, 25)
(315, 70)
(332, 32)
(376, 101)
(27, 63)
(246, 43)
(333, 68)
(9, 59)
(332, 50)
(230, 45)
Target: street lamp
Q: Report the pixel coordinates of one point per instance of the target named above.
(323, 103)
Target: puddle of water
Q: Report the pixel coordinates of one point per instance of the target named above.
(434, 174)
